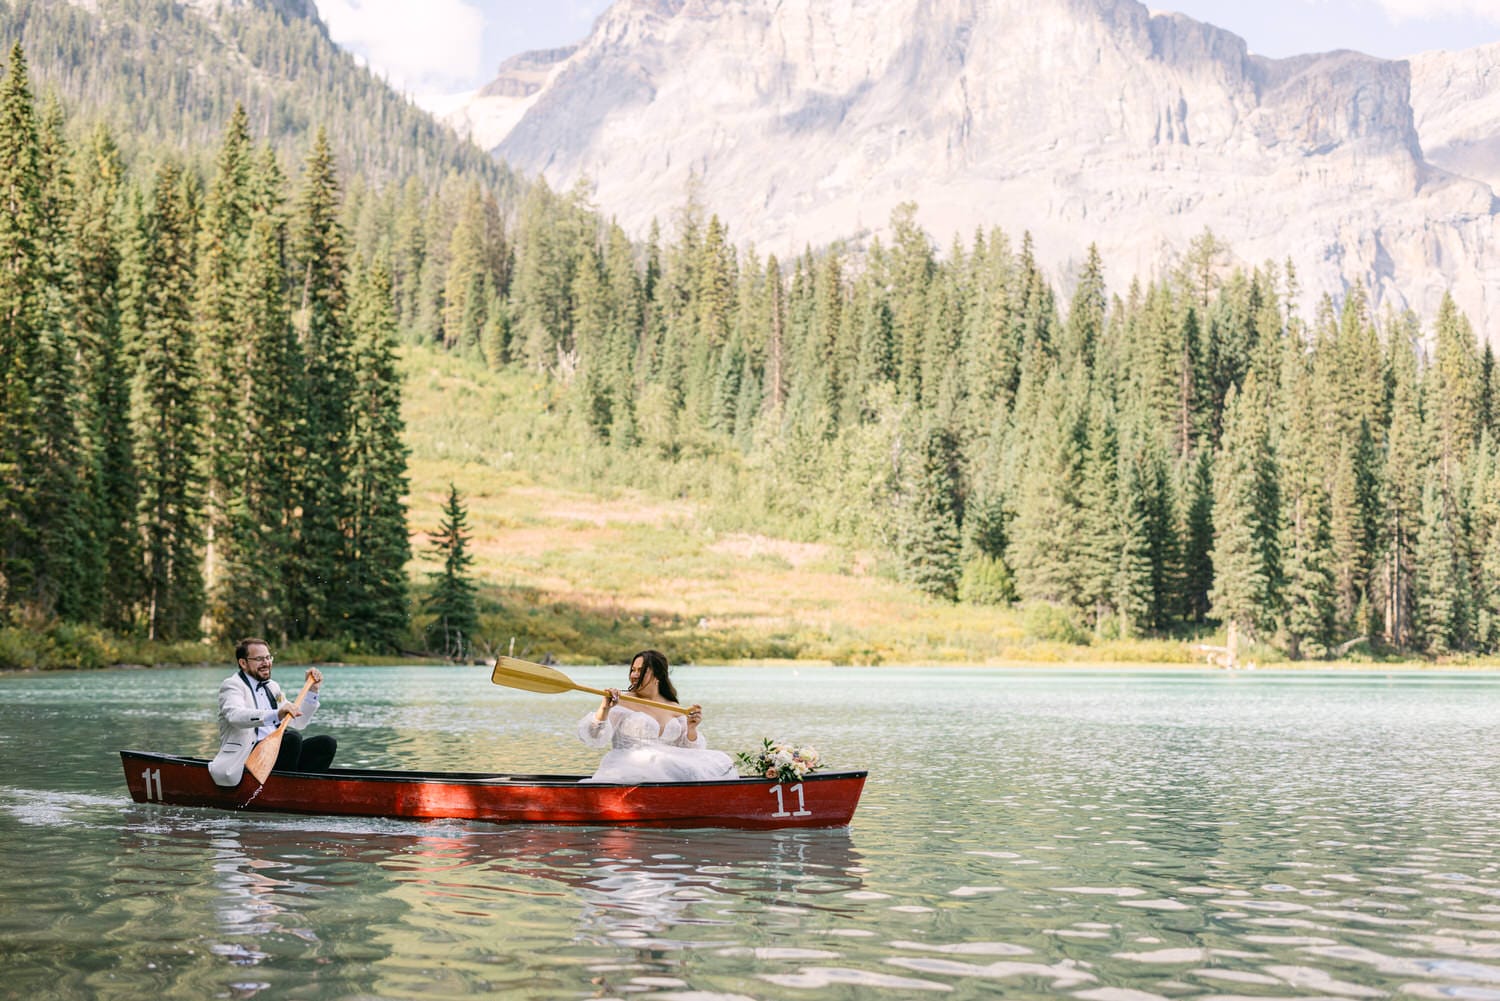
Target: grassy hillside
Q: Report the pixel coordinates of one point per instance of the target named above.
(587, 553)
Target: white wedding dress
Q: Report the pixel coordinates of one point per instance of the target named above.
(643, 751)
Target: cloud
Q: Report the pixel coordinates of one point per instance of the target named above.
(429, 47)
(1436, 10)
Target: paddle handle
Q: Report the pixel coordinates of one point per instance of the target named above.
(263, 755)
(671, 706)
(296, 704)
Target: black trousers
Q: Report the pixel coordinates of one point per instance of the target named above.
(310, 754)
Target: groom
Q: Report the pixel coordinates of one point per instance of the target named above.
(251, 706)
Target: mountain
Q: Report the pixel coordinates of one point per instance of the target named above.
(165, 76)
(1455, 97)
(806, 121)
(489, 115)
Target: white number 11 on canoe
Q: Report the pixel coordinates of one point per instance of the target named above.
(781, 810)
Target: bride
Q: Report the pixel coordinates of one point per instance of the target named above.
(647, 744)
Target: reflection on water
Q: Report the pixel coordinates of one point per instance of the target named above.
(1109, 837)
(637, 899)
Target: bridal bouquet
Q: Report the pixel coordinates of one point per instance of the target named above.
(781, 762)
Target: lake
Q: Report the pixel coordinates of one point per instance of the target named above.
(1112, 835)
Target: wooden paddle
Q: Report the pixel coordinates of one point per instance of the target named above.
(529, 677)
(263, 755)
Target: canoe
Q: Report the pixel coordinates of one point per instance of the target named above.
(822, 799)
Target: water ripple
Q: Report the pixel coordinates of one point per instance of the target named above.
(1103, 836)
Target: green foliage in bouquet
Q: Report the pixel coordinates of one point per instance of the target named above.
(781, 762)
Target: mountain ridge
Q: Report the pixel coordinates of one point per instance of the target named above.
(1080, 121)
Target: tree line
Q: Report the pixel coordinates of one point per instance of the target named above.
(1189, 452)
(201, 412)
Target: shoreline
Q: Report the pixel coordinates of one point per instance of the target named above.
(1179, 667)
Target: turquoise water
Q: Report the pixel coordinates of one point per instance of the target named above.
(1104, 835)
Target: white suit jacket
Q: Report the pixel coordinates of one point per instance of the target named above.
(239, 716)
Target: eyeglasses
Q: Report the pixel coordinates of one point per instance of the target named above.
(268, 659)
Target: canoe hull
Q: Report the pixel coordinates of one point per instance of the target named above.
(823, 799)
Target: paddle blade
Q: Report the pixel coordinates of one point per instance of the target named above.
(529, 677)
(263, 757)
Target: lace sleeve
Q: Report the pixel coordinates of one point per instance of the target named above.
(676, 733)
(597, 733)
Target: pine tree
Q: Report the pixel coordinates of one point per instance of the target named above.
(1195, 521)
(319, 581)
(1161, 363)
(991, 354)
(932, 518)
(1165, 544)
(595, 389)
(1046, 531)
(909, 270)
(470, 272)
(1454, 397)
(1200, 272)
(97, 234)
(986, 578)
(1246, 566)
(1444, 612)
(1099, 549)
(379, 547)
(941, 368)
(65, 582)
(869, 316)
(1305, 539)
(776, 353)
(21, 281)
(455, 626)
(622, 335)
(1086, 315)
(166, 409)
(223, 362)
(257, 556)
(1353, 514)
(1487, 547)
(544, 276)
(1402, 499)
(1035, 314)
(1133, 586)
(1307, 553)
(1487, 403)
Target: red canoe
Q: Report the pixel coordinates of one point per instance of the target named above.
(823, 799)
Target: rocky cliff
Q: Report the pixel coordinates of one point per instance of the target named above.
(1456, 100)
(1081, 121)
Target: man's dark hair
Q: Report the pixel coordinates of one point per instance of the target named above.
(242, 648)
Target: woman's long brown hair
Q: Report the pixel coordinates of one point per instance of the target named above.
(656, 662)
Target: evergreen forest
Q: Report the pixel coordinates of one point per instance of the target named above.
(200, 406)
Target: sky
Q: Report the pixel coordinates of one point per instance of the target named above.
(433, 49)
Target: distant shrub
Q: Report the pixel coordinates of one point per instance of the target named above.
(80, 646)
(60, 645)
(314, 652)
(857, 654)
(20, 649)
(986, 581)
(1055, 624)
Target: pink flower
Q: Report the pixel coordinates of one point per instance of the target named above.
(771, 772)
